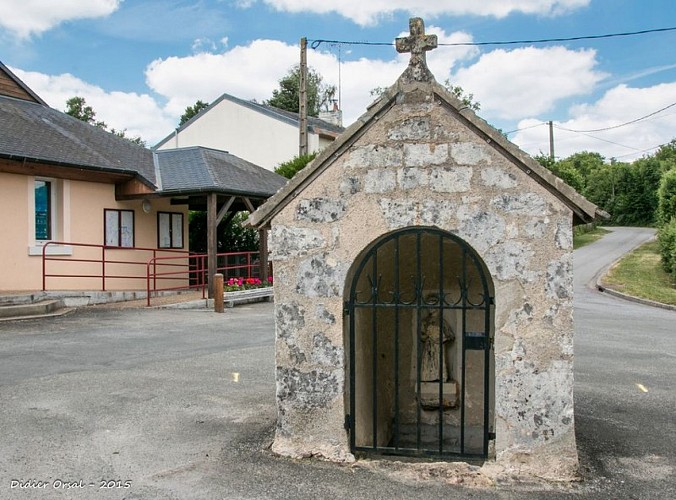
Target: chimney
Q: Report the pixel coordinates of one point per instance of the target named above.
(335, 117)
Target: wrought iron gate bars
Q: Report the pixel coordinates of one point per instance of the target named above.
(478, 340)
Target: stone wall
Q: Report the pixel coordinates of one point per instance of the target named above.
(420, 165)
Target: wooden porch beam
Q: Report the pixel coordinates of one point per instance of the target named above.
(248, 204)
(212, 239)
(263, 255)
(224, 209)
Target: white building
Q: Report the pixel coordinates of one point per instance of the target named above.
(263, 135)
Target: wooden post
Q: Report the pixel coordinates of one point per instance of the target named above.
(218, 293)
(212, 240)
(263, 255)
(302, 100)
(551, 140)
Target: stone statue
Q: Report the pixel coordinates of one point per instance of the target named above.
(431, 347)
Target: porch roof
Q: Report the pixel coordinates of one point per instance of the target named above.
(200, 169)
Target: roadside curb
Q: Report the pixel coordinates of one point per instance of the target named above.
(597, 283)
(604, 289)
(615, 293)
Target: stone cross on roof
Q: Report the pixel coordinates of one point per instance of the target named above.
(417, 43)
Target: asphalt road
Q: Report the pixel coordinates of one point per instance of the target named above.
(180, 405)
(625, 380)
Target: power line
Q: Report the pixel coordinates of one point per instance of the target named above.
(525, 128)
(638, 152)
(621, 124)
(597, 138)
(316, 43)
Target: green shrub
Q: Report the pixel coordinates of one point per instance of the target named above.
(666, 205)
(666, 237)
(289, 168)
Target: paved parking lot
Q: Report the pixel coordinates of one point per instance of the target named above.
(146, 404)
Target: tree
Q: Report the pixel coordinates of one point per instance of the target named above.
(602, 186)
(563, 171)
(289, 168)
(123, 135)
(584, 162)
(319, 95)
(666, 155)
(231, 237)
(193, 110)
(78, 108)
(457, 91)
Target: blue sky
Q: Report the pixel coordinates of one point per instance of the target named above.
(139, 63)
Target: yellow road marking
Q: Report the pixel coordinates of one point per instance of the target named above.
(235, 377)
(642, 387)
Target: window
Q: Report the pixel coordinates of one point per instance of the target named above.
(119, 228)
(169, 230)
(43, 210)
(49, 209)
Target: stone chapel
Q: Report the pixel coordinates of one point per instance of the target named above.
(423, 289)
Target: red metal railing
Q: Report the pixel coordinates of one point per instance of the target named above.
(106, 273)
(177, 269)
(230, 264)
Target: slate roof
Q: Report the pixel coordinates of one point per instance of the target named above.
(583, 209)
(191, 169)
(36, 132)
(315, 125)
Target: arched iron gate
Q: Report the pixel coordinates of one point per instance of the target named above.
(420, 314)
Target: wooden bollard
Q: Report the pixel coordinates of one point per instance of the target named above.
(218, 293)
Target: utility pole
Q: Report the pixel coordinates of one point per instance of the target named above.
(302, 99)
(551, 140)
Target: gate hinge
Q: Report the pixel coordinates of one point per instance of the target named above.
(346, 307)
(347, 424)
(491, 436)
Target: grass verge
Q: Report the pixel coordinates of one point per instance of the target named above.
(640, 274)
(581, 239)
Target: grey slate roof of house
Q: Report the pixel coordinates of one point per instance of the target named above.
(202, 169)
(315, 125)
(36, 132)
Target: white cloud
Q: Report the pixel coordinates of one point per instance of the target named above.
(203, 45)
(138, 113)
(619, 105)
(365, 13)
(522, 84)
(244, 4)
(29, 17)
(253, 71)
(528, 81)
(248, 72)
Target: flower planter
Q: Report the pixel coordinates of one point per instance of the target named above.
(248, 296)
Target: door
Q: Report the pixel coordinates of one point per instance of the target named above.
(419, 313)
